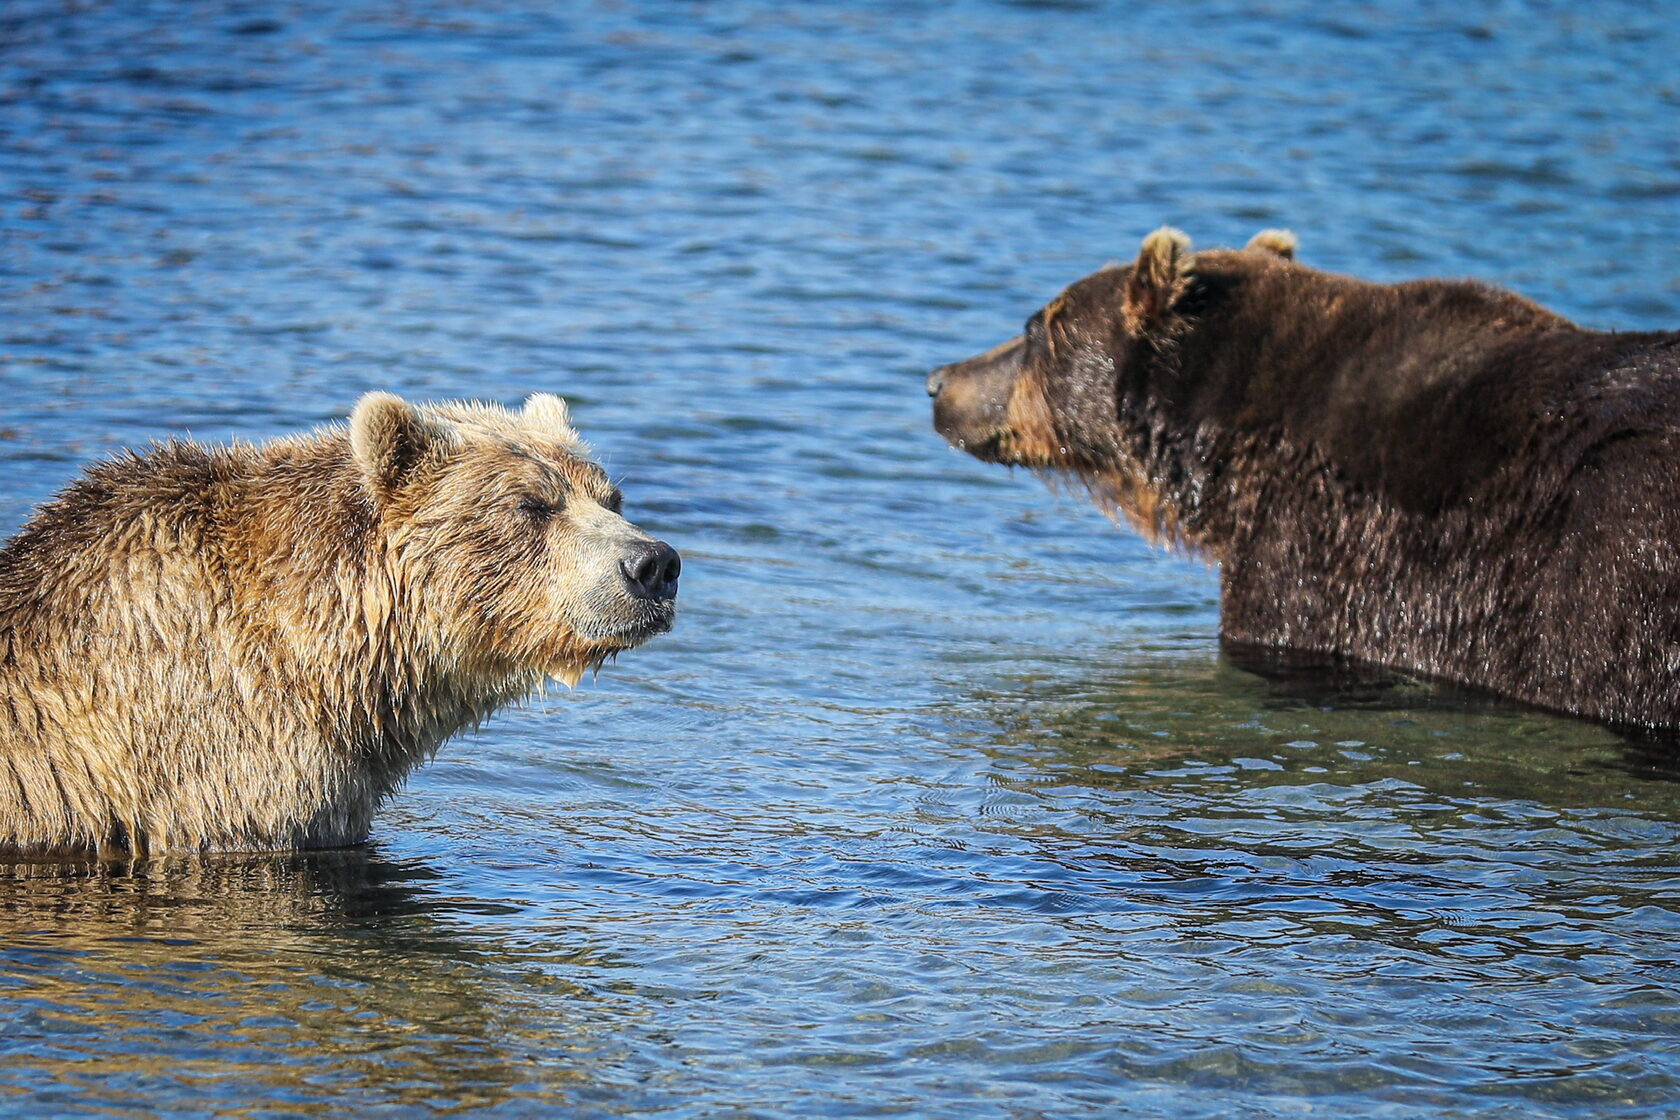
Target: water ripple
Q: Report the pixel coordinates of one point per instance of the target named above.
(941, 800)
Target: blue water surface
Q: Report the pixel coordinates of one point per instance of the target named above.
(941, 800)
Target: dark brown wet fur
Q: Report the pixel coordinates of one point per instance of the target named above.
(1438, 475)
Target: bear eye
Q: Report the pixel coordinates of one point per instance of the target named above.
(614, 500)
(537, 509)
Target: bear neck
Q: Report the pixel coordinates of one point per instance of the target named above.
(360, 648)
(1278, 371)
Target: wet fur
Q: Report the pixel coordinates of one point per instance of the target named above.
(1438, 475)
(249, 647)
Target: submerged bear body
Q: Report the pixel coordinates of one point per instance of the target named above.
(1437, 476)
(250, 647)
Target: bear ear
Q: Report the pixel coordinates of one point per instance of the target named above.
(1159, 279)
(1278, 242)
(550, 413)
(388, 436)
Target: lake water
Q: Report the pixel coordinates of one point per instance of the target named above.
(941, 799)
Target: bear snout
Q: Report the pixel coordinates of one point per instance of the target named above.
(971, 398)
(651, 569)
(970, 408)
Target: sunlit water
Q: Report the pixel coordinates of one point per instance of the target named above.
(940, 800)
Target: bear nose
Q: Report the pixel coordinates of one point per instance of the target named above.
(936, 381)
(651, 570)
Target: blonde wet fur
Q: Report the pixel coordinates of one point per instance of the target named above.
(249, 647)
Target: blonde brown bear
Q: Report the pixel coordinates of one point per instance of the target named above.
(250, 647)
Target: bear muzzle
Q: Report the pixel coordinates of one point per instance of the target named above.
(971, 399)
(644, 602)
(628, 596)
(651, 570)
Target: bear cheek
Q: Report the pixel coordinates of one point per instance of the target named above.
(1030, 438)
(567, 602)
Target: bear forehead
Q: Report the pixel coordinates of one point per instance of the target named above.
(533, 458)
(528, 429)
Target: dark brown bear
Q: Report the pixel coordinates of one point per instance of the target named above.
(1437, 476)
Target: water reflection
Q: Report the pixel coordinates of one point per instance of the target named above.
(287, 980)
(1277, 717)
(1371, 881)
(1295, 679)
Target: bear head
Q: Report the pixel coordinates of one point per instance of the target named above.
(1084, 391)
(505, 550)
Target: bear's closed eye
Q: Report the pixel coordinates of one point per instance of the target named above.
(537, 509)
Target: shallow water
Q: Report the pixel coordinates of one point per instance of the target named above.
(941, 800)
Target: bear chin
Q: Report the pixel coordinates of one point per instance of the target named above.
(570, 666)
